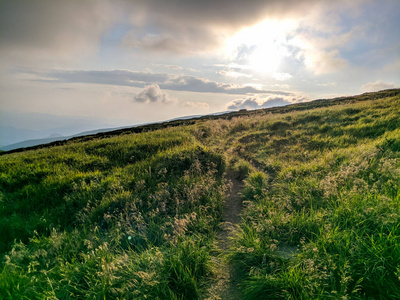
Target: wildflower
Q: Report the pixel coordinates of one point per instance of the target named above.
(241, 249)
(129, 237)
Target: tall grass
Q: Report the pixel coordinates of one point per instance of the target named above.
(326, 224)
(128, 217)
(136, 216)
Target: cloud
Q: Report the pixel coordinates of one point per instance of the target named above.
(153, 94)
(234, 74)
(324, 37)
(114, 77)
(378, 86)
(201, 105)
(175, 67)
(254, 102)
(180, 40)
(164, 81)
(318, 57)
(221, 12)
(172, 67)
(198, 84)
(53, 30)
(323, 62)
(43, 30)
(46, 28)
(282, 76)
(218, 19)
(264, 101)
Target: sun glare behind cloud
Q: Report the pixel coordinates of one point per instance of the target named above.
(260, 48)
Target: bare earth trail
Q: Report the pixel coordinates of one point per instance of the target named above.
(225, 285)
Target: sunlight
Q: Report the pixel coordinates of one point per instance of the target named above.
(260, 48)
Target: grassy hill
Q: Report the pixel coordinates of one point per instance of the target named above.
(135, 213)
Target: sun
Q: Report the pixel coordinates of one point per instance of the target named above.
(260, 48)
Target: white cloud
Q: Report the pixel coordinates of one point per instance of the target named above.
(234, 74)
(172, 67)
(264, 101)
(254, 102)
(321, 38)
(153, 94)
(320, 61)
(201, 105)
(282, 76)
(378, 86)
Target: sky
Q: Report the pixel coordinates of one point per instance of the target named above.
(71, 66)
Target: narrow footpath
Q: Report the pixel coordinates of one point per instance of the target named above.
(225, 285)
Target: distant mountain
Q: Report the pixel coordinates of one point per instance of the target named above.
(55, 135)
(53, 138)
(11, 135)
(16, 127)
(30, 142)
(199, 116)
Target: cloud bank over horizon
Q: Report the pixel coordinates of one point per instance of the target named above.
(264, 101)
(139, 79)
(378, 86)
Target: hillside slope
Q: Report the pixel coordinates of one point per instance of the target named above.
(102, 133)
(135, 213)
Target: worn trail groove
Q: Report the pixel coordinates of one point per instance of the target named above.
(225, 285)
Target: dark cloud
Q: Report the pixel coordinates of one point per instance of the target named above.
(255, 103)
(203, 85)
(227, 13)
(175, 24)
(164, 81)
(53, 29)
(58, 28)
(179, 39)
(114, 77)
(153, 94)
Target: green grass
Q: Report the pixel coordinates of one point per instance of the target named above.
(330, 189)
(127, 217)
(136, 215)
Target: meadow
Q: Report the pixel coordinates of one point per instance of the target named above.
(136, 215)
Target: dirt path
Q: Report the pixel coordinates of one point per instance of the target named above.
(225, 285)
